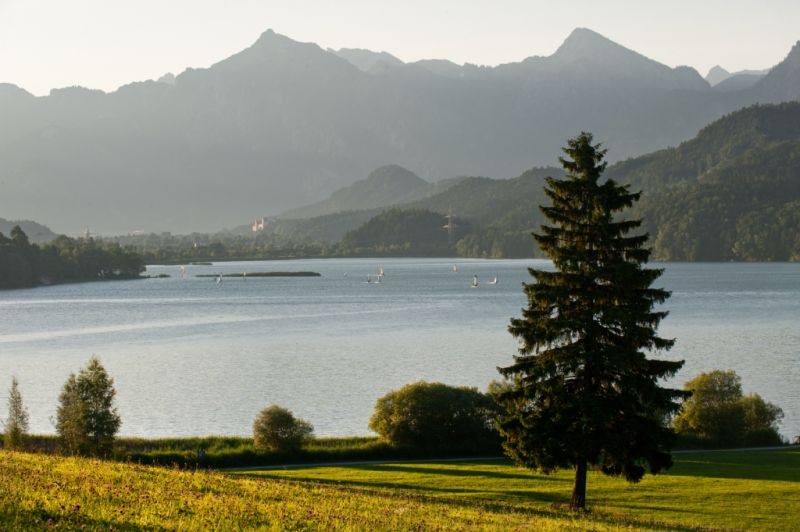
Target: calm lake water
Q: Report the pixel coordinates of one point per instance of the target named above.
(194, 357)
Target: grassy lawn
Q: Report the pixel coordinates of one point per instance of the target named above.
(731, 490)
(755, 490)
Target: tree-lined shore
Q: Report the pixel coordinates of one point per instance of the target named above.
(24, 264)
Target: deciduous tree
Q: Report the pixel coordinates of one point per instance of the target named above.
(87, 418)
(276, 429)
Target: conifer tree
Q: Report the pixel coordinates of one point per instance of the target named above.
(16, 425)
(582, 391)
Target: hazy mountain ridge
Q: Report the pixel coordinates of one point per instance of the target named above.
(721, 79)
(283, 123)
(365, 60)
(384, 187)
(37, 233)
(480, 200)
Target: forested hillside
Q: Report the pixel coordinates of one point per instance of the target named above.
(731, 193)
(412, 232)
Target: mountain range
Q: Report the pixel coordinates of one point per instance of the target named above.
(283, 124)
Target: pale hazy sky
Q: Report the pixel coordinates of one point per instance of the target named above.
(107, 43)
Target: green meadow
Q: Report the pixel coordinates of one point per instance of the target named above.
(758, 490)
(719, 490)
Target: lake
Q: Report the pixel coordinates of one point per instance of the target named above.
(191, 356)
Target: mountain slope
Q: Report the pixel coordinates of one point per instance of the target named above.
(783, 81)
(283, 123)
(738, 81)
(731, 193)
(387, 185)
(722, 80)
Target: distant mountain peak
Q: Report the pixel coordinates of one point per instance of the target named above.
(615, 63)
(386, 185)
(275, 50)
(394, 172)
(267, 35)
(716, 75)
(585, 42)
(270, 39)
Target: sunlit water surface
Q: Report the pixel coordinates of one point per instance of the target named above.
(193, 357)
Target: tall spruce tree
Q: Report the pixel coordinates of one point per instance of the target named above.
(582, 390)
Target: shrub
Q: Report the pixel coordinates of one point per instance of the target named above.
(719, 414)
(436, 415)
(276, 429)
(87, 419)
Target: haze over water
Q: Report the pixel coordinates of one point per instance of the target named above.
(193, 357)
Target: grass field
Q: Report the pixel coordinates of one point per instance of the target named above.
(745, 490)
(735, 490)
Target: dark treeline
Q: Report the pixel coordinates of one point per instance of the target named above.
(23, 264)
(397, 232)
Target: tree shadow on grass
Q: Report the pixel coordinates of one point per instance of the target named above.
(384, 488)
(446, 470)
(652, 508)
(744, 465)
(554, 505)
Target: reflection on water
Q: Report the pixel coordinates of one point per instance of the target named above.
(192, 357)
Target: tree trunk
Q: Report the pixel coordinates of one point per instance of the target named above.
(578, 501)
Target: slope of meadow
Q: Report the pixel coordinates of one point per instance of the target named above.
(755, 490)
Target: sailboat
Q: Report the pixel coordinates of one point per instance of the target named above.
(219, 278)
(474, 282)
(455, 268)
